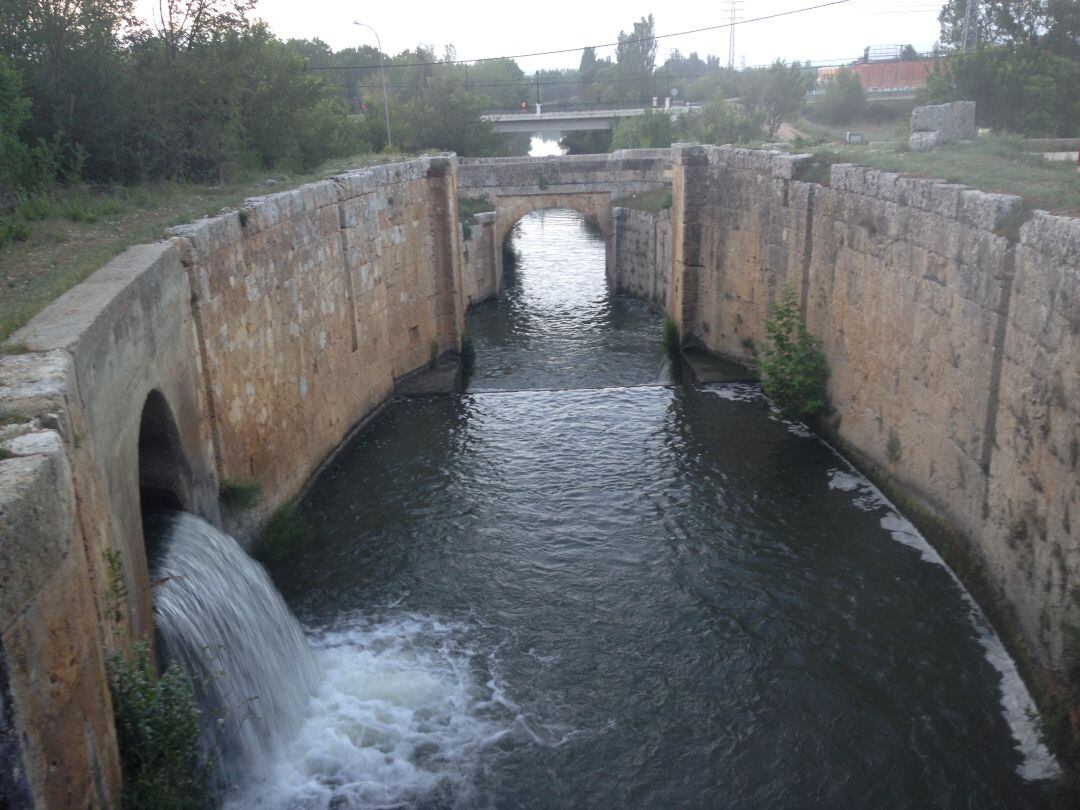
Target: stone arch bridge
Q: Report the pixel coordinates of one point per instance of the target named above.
(518, 186)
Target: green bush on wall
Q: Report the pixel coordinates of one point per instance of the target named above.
(793, 368)
(157, 733)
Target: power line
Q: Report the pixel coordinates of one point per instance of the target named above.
(530, 81)
(604, 45)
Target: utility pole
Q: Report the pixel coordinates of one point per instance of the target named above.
(382, 70)
(731, 35)
(971, 18)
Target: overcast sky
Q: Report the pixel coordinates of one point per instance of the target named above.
(484, 28)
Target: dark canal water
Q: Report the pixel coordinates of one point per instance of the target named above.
(575, 586)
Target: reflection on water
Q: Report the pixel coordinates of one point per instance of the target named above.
(572, 588)
(544, 146)
(557, 325)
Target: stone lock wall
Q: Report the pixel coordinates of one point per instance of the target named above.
(642, 255)
(312, 302)
(263, 336)
(950, 319)
(480, 274)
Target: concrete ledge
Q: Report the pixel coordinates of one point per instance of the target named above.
(37, 517)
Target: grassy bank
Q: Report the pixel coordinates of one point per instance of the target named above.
(991, 163)
(70, 233)
(654, 201)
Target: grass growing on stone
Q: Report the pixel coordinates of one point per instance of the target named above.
(669, 334)
(71, 233)
(991, 163)
(240, 494)
(468, 207)
(283, 532)
(655, 201)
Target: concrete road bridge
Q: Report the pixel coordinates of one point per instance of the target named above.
(536, 119)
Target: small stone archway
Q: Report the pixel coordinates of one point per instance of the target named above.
(164, 473)
(509, 210)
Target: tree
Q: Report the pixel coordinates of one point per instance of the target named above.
(1022, 89)
(501, 81)
(445, 116)
(1055, 23)
(635, 59)
(720, 122)
(70, 55)
(21, 168)
(908, 53)
(844, 98)
(588, 69)
(586, 142)
(649, 131)
(182, 24)
(774, 93)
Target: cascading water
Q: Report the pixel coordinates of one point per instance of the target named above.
(370, 713)
(219, 616)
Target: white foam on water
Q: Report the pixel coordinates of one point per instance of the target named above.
(798, 429)
(1017, 704)
(399, 713)
(736, 392)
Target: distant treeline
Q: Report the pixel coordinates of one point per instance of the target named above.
(91, 93)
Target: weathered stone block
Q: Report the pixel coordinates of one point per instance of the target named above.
(924, 141)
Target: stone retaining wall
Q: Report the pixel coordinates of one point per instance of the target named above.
(642, 255)
(247, 346)
(951, 322)
(950, 317)
(480, 273)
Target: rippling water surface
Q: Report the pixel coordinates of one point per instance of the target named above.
(575, 587)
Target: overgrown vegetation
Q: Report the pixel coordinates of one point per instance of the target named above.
(1016, 88)
(1024, 75)
(157, 733)
(793, 367)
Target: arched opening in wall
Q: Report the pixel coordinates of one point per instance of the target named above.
(557, 313)
(556, 259)
(163, 473)
(516, 214)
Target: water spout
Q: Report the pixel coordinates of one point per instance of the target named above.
(219, 616)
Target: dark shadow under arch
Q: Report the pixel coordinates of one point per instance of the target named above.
(164, 475)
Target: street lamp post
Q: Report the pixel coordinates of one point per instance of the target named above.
(382, 71)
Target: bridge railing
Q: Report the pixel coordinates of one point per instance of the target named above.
(580, 106)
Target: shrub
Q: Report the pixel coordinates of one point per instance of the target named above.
(13, 230)
(157, 732)
(844, 99)
(793, 369)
